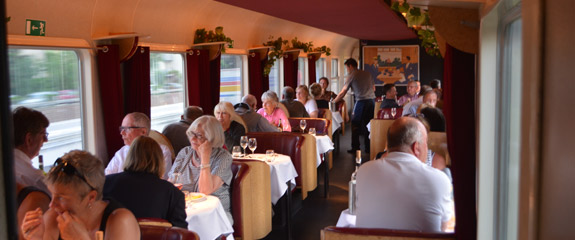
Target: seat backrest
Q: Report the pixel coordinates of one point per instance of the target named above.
(162, 139)
(437, 142)
(383, 111)
(239, 173)
(321, 125)
(378, 136)
(154, 222)
(300, 151)
(251, 198)
(336, 233)
(166, 233)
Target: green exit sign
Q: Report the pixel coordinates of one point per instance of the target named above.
(35, 27)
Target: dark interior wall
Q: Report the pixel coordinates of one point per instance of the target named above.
(430, 67)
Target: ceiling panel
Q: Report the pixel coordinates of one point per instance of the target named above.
(362, 19)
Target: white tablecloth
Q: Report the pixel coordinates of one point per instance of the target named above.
(208, 218)
(346, 219)
(336, 121)
(323, 144)
(282, 170)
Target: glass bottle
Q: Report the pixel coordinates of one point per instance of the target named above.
(352, 184)
(280, 125)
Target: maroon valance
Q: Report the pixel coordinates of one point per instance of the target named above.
(459, 109)
(290, 70)
(111, 95)
(136, 71)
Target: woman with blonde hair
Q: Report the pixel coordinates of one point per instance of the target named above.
(272, 112)
(77, 210)
(205, 166)
(302, 94)
(140, 187)
(230, 120)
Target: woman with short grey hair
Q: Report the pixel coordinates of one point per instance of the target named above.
(272, 112)
(205, 166)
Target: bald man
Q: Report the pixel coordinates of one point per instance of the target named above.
(400, 191)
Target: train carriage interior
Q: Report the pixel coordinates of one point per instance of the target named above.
(503, 65)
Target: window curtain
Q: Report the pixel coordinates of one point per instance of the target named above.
(111, 95)
(203, 80)
(290, 71)
(258, 83)
(459, 109)
(311, 59)
(136, 71)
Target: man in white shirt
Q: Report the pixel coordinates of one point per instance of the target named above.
(29, 137)
(134, 125)
(400, 191)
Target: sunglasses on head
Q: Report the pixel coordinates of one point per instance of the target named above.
(69, 169)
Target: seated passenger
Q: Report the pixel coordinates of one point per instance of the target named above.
(411, 94)
(134, 125)
(205, 166)
(30, 198)
(29, 136)
(295, 108)
(434, 117)
(233, 131)
(140, 188)
(389, 97)
(272, 112)
(176, 132)
(429, 97)
(315, 90)
(401, 191)
(77, 210)
(325, 94)
(254, 121)
(303, 96)
(408, 109)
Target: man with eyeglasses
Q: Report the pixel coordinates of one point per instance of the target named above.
(29, 137)
(134, 125)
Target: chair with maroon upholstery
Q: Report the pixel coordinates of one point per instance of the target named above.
(166, 233)
(337, 233)
(321, 125)
(342, 108)
(154, 222)
(383, 111)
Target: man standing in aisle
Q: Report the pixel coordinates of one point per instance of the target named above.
(363, 89)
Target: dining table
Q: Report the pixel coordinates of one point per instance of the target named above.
(207, 218)
(336, 121)
(282, 172)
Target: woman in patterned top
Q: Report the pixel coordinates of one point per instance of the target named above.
(205, 166)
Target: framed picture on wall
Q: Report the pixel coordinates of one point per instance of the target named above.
(392, 64)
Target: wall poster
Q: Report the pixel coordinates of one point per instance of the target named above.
(392, 64)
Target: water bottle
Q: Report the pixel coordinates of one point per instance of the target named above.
(352, 184)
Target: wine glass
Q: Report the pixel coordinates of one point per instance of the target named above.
(393, 112)
(175, 178)
(252, 144)
(302, 124)
(244, 142)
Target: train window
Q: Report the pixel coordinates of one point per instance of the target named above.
(275, 78)
(334, 68)
(231, 78)
(319, 69)
(167, 88)
(301, 71)
(49, 81)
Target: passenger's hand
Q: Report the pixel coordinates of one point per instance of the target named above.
(33, 224)
(71, 228)
(205, 151)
